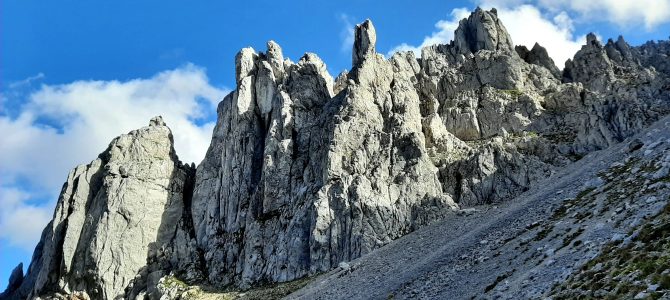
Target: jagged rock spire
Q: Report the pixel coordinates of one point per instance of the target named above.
(538, 55)
(157, 121)
(245, 63)
(592, 39)
(482, 31)
(275, 57)
(365, 38)
(619, 51)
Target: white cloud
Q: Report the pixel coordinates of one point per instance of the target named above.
(85, 116)
(347, 33)
(525, 23)
(22, 223)
(621, 12)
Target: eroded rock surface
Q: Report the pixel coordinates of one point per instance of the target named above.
(302, 179)
(306, 172)
(111, 216)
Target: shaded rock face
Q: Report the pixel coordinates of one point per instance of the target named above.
(111, 216)
(15, 281)
(305, 172)
(538, 56)
(654, 54)
(618, 95)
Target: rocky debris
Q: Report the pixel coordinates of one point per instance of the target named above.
(543, 244)
(305, 172)
(637, 269)
(635, 145)
(109, 223)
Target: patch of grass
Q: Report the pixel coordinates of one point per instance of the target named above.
(583, 194)
(563, 137)
(269, 291)
(625, 270)
(173, 282)
(514, 93)
(543, 233)
(615, 172)
(580, 200)
(568, 239)
(498, 280)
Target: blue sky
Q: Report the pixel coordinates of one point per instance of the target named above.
(74, 74)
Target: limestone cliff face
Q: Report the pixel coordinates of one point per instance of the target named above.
(111, 216)
(305, 171)
(298, 179)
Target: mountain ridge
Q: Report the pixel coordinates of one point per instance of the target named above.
(306, 172)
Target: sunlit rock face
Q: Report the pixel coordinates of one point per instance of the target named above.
(113, 217)
(305, 171)
(299, 179)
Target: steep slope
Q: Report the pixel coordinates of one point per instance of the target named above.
(112, 215)
(522, 248)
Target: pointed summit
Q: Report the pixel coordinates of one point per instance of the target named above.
(538, 55)
(592, 39)
(482, 31)
(365, 38)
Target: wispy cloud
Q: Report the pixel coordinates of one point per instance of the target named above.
(21, 222)
(347, 32)
(171, 54)
(26, 81)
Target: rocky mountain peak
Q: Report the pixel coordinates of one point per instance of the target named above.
(538, 56)
(482, 30)
(592, 40)
(157, 121)
(245, 63)
(365, 38)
